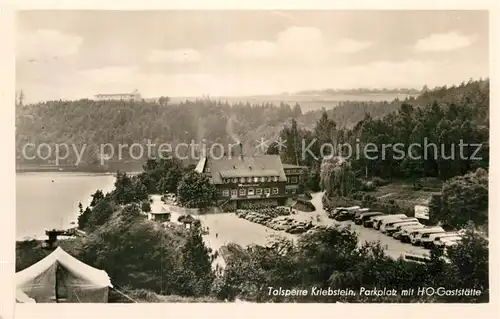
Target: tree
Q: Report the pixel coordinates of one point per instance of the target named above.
(196, 264)
(96, 197)
(469, 259)
(196, 191)
(463, 199)
(163, 100)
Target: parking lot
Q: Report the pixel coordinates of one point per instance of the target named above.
(394, 248)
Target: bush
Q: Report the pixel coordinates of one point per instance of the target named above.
(368, 186)
(146, 206)
(380, 181)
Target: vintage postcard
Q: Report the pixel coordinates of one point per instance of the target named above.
(265, 156)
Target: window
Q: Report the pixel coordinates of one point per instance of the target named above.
(259, 191)
(275, 190)
(294, 179)
(242, 179)
(227, 180)
(225, 193)
(249, 179)
(235, 180)
(251, 192)
(294, 191)
(262, 179)
(267, 191)
(207, 169)
(255, 179)
(234, 192)
(243, 192)
(275, 178)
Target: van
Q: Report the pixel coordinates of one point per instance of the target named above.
(378, 220)
(390, 222)
(416, 235)
(416, 258)
(365, 216)
(392, 227)
(403, 231)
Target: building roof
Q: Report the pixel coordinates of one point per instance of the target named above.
(247, 166)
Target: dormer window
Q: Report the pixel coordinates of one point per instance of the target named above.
(235, 180)
(207, 169)
(262, 179)
(249, 179)
(275, 178)
(255, 179)
(242, 179)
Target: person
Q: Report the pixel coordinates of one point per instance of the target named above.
(216, 235)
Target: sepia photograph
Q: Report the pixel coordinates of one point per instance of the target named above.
(252, 156)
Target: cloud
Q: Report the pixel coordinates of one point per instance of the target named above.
(174, 56)
(47, 44)
(351, 46)
(440, 42)
(304, 44)
(249, 50)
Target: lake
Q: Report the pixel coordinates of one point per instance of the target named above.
(47, 200)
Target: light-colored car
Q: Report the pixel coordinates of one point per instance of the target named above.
(447, 241)
(390, 222)
(404, 233)
(416, 235)
(417, 258)
(378, 220)
(396, 226)
(436, 238)
(425, 238)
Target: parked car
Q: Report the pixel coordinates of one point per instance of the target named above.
(404, 234)
(437, 238)
(345, 213)
(394, 227)
(447, 241)
(416, 235)
(360, 211)
(377, 221)
(417, 258)
(389, 223)
(365, 216)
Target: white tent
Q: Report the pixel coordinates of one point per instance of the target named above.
(60, 277)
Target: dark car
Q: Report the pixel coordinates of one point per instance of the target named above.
(345, 215)
(365, 216)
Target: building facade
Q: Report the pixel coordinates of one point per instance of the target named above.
(246, 182)
(134, 96)
(293, 177)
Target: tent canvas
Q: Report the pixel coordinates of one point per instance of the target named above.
(60, 277)
(21, 297)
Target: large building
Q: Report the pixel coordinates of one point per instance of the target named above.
(243, 181)
(134, 96)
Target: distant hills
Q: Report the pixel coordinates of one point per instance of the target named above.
(358, 91)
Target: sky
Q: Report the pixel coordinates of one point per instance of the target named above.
(77, 54)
